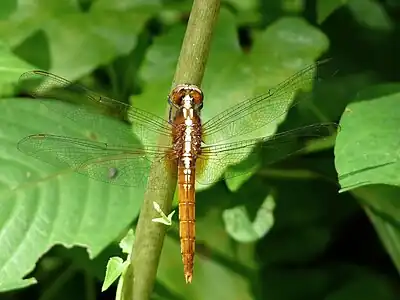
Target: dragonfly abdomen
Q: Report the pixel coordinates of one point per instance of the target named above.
(187, 231)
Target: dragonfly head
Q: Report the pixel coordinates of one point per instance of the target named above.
(186, 95)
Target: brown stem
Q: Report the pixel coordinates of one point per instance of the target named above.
(138, 285)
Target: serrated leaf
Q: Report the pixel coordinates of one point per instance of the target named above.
(43, 206)
(239, 226)
(115, 267)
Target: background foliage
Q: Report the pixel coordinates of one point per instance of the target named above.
(284, 233)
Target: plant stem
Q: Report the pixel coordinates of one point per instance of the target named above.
(138, 284)
(197, 42)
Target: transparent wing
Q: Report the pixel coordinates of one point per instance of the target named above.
(40, 84)
(126, 166)
(216, 158)
(259, 111)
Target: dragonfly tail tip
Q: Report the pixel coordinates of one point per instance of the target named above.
(188, 277)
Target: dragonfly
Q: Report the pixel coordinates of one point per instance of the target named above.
(190, 150)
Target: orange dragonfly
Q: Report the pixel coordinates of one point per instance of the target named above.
(194, 151)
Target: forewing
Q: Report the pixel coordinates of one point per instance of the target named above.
(260, 111)
(125, 166)
(88, 105)
(213, 162)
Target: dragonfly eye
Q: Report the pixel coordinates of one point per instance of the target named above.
(197, 96)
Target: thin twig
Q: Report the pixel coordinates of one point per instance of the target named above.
(149, 235)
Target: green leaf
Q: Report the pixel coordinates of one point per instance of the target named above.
(326, 7)
(27, 17)
(243, 5)
(246, 11)
(126, 243)
(371, 14)
(244, 172)
(103, 35)
(43, 206)
(164, 219)
(16, 284)
(11, 68)
(123, 5)
(85, 40)
(115, 267)
(7, 8)
(293, 6)
(366, 153)
(242, 229)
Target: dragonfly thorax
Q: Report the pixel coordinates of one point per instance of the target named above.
(187, 133)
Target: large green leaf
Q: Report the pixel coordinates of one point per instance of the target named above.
(367, 146)
(43, 206)
(90, 40)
